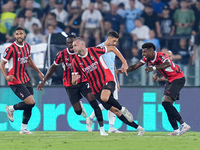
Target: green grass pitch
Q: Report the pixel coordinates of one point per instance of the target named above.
(56, 140)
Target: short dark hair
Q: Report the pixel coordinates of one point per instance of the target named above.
(19, 28)
(71, 36)
(53, 14)
(149, 45)
(113, 34)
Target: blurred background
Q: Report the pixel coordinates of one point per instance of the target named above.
(170, 24)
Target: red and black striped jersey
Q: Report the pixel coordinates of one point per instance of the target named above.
(65, 57)
(172, 72)
(93, 67)
(17, 57)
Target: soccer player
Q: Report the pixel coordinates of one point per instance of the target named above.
(75, 92)
(18, 55)
(88, 62)
(109, 59)
(176, 80)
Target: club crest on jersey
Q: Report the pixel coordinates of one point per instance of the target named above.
(92, 57)
(21, 94)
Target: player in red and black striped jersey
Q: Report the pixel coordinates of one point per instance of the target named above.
(88, 61)
(18, 56)
(176, 80)
(75, 92)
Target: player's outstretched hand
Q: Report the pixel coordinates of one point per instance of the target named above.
(39, 87)
(41, 75)
(124, 68)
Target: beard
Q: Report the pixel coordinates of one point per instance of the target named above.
(20, 40)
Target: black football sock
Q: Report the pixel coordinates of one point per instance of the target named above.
(124, 120)
(21, 106)
(78, 112)
(97, 112)
(172, 114)
(27, 114)
(114, 103)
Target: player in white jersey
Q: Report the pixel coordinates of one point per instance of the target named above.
(109, 58)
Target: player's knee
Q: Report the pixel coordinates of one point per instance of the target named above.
(78, 112)
(104, 98)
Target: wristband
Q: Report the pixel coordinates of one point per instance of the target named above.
(154, 67)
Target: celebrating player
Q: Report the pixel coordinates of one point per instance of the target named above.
(176, 80)
(18, 55)
(74, 92)
(89, 63)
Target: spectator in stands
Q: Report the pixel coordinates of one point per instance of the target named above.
(91, 25)
(22, 5)
(61, 14)
(74, 20)
(184, 19)
(107, 28)
(151, 19)
(102, 6)
(52, 16)
(136, 56)
(153, 39)
(20, 23)
(158, 6)
(138, 4)
(196, 9)
(54, 23)
(50, 6)
(115, 19)
(121, 10)
(30, 20)
(184, 56)
(6, 20)
(50, 29)
(167, 27)
(131, 14)
(83, 4)
(34, 37)
(140, 33)
(37, 13)
(173, 5)
(145, 2)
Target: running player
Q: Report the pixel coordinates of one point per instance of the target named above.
(176, 80)
(18, 55)
(88, 62)
(74, 92)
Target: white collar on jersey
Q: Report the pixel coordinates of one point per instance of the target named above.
(85, 54)
(70, 52)
(19, 45)
(154, 57)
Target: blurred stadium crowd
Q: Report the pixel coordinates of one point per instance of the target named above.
(169, 24)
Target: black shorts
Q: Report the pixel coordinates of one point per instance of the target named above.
(75, 92)
(109, 86)
(173, 88)
(22, 90)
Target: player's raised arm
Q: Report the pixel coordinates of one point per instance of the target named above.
(120, 56)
